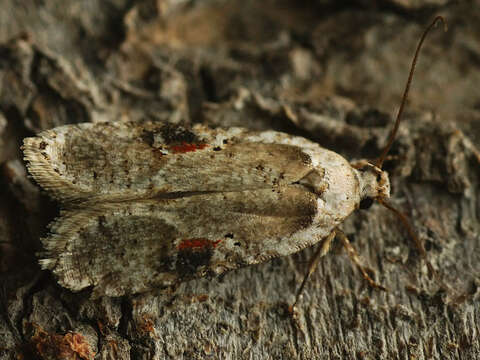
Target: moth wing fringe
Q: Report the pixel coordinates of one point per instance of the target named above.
(40, 167)
(59, 253)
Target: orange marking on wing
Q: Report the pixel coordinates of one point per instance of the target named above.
(185, 147)
(197, 243)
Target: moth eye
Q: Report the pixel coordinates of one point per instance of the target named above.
(366, 203)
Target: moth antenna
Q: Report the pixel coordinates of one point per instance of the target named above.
(393, 133)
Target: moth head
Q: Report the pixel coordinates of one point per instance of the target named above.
(374, 183)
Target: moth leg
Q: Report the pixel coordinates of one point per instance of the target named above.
(321, 251)
(353, 255)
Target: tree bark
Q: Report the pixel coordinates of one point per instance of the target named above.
(331, 73)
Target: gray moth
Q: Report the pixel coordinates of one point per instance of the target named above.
(148, 205)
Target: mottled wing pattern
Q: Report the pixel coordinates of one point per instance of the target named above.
(107, 162)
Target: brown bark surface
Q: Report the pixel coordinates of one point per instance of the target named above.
(332, 73)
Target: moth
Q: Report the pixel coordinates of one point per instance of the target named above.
(149, 205)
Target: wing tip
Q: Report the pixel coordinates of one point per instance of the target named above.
(39, 154)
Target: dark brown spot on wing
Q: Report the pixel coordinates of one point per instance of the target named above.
(173, 134)
(148, 137)
(190, 259)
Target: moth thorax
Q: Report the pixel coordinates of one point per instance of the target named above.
(374, 182)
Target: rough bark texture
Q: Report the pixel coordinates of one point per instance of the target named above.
(332, 73)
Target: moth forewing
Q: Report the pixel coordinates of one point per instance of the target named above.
(105, 162)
